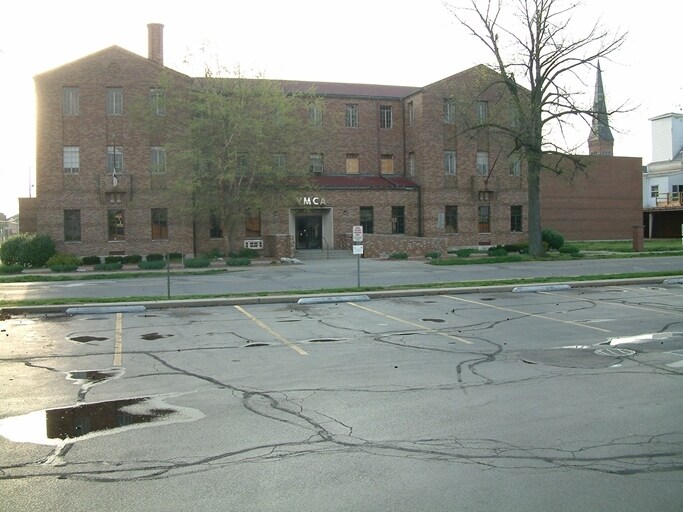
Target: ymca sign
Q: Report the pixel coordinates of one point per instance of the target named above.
(312, 201)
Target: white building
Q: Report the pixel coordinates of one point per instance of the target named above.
(663, 178)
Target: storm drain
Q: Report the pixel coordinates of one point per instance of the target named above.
(615, 352)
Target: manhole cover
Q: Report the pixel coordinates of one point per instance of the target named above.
(615, 352)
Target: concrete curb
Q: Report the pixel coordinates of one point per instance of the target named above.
(330, 297)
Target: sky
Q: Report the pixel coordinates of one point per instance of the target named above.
(412, 42)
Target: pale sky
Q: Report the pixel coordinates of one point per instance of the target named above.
(412, 42)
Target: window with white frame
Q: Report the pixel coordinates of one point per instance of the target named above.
(482, 111)
(280, 162)
(411, 113)
(484, 212)
(482, 163)
(654, 191)
(114, 101)
(676, 192)
(315, 163)
(72, 225)
(351, 116)
(70, 101)
(315, 115)
(157, 98)
(412, 164)
(449, 110)
(157, 160)
(385, 116)
(449, 162)
(515, 165)
(516, 218)
(114, 159)
(451, 219)
(71, 159)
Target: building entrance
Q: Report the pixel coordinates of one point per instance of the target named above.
(309, 232)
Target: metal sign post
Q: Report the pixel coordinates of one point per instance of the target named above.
(357, 247)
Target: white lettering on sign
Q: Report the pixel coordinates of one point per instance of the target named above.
(312, 201)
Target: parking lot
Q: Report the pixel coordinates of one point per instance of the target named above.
(564, 399)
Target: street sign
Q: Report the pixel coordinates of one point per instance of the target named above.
(357, 233)
(357, 249)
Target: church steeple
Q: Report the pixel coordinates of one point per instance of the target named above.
(600, 140)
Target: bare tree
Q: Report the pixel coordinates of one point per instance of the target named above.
(538, 57)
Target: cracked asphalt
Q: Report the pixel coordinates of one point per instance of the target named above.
(564, 400)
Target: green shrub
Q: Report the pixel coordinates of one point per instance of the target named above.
(109, 266)
(465, 253)
(62, 258)
(497, 251)
(113, 259)
(27, 249)
(152, 265)
(569, 249)
(91, 260)
(398, 256)
(11, 269)
(237, 262)
(213, 254)
(131, 259)
(175, 256)
(63, 268)
(552, 238)
(433, 255)
(11, 249)
(520, 248)
(155, 256)
(197, 262)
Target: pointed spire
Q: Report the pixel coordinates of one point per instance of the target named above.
(600, 140)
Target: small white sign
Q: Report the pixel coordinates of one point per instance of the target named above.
(357, 234)
(357, 249)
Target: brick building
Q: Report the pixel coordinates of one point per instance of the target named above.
(395, 160)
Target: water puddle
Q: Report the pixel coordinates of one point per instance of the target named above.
(87, 339)
(92, 377)
(151, 336)
(436, 320)
(87, 420)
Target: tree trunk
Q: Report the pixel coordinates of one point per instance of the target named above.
(535, 230)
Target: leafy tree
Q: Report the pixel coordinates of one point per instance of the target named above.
(538, 57)
(239, 147)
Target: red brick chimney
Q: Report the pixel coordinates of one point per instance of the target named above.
(155, 42)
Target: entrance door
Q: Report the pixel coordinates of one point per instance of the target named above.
(309, 232)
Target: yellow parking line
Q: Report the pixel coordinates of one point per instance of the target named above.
(270, 331)
(118, 343)
(396, 319)
(509, 310)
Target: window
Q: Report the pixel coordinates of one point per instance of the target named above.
(385, 117)
(451, 219)
(449, 110)
(159, 224)
(315, 163)
(157, 98)
(482, 111)
(387, 164)
(484, 218)
(252, 224)
(449, 163)
(412, 164)
(115, 225)
(411, 113)
(114, 159)
(515, 165)
(280, 162)
(114, 101)
(157, 160)
(676, 192)
(482, 163)
(516, 218)
(351, 118)
(352, 163)
(215, 227)
(398, 220)
(114, 197)
(367, 219)
(71, 159)
(654, 191)
(70, 106)
(72, 225)
(315, 115)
